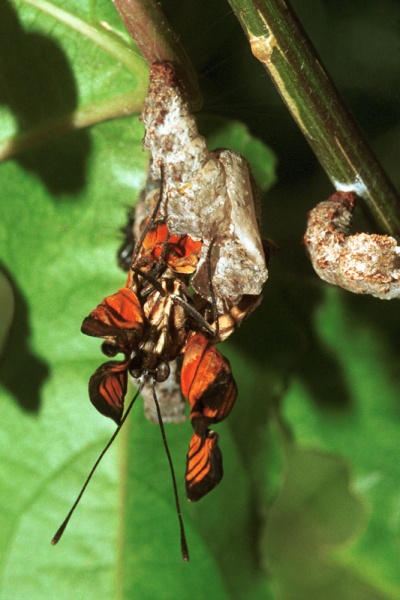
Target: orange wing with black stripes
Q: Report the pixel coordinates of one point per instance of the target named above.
(208, 384)
(107, 389)
(203, 465)
(118, 319)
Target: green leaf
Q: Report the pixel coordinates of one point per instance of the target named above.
(314, 512)
(222, 133)
(6, 308)
(63, 66)
(64, 200)
(60, 256)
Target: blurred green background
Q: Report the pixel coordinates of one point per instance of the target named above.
(309, 506)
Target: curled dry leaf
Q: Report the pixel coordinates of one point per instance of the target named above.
(208, 195)
(361, 263)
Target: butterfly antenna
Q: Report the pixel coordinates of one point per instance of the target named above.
(61, 529)
(184, 547)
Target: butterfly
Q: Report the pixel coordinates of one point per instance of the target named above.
(151, 322)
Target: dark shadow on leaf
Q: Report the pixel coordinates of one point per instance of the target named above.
(380, 316)
(38, 86)
(288, 342)
(318, 366)
(22, 373)
(269, 340)
(380, 319)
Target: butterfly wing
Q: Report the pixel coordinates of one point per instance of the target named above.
(107, 389)
(207, 381)
(118, 319)
(208, 384)
(203, 465)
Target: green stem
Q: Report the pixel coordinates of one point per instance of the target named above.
(157, 41)
(278, 40)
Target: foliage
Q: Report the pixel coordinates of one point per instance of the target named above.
(309, 503)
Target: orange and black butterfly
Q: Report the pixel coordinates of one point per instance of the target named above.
(151, 322)
(152, 331)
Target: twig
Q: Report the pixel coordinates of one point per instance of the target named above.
(157, 41)
(278, 40)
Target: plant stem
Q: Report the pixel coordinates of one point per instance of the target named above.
(158, 42)
(278, 40)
